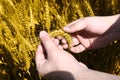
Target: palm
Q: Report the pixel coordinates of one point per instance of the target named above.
(90, 33)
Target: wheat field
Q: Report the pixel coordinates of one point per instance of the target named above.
(22, 20)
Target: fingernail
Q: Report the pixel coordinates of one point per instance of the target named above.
(43, 34)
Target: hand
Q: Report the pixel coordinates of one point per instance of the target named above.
(56, 64)
(92, 32)
(51, 60)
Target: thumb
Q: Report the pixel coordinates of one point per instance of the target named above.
(77, 25)
(47, 42)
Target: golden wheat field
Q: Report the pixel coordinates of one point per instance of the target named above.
(22, 20)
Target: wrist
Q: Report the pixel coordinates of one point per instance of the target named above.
(81, 74)
(96, 75)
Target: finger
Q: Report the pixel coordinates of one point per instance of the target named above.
(65, 46)
(56, 41)
(59, 37)
(84, 41)
(48, 44)
(64, 41)
(77, 25)
(78, 49)
(39, 57)
(75, 41)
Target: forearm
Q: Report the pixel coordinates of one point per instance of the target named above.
(95, 75)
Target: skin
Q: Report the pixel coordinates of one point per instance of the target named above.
(53, 62)
(93, 32)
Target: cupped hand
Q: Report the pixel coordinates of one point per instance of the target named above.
(91, 32)
(51, 58)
